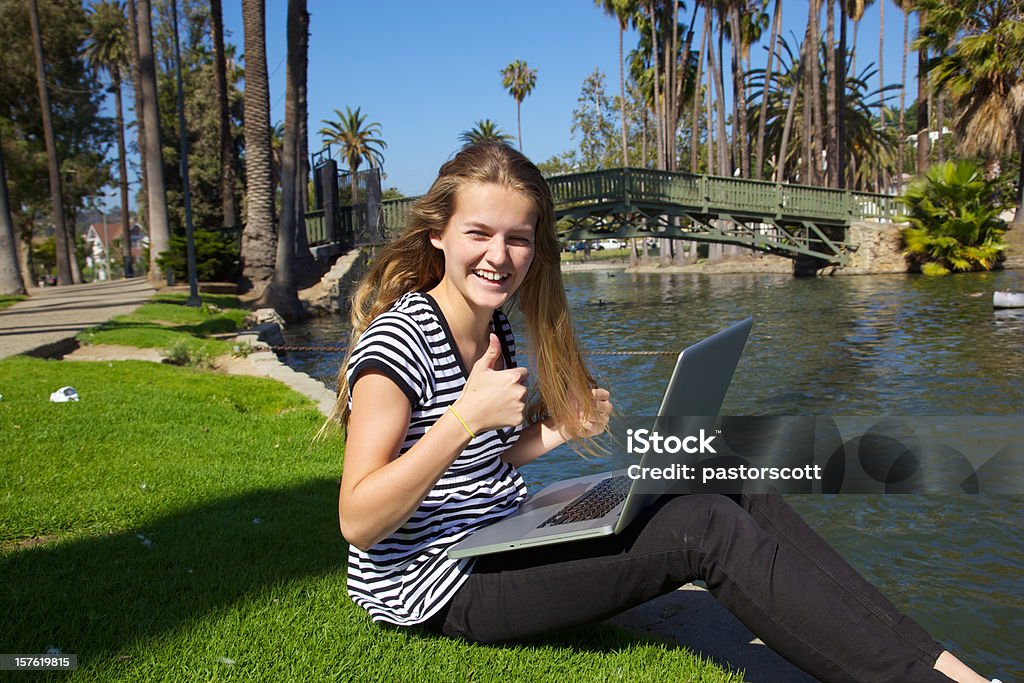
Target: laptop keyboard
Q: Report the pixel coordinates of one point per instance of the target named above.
(594, 504)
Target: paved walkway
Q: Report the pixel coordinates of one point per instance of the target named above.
(51, 317)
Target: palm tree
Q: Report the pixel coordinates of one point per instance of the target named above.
(356, 141)
(11, 281)
(906, 6)
(159, 230)
(107, 50)
(282, 294)
(623, 11)
(229, 210)
(519, 79)
(483, 130)
(259, 238)
(980, 53)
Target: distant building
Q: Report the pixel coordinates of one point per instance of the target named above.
(104, 240)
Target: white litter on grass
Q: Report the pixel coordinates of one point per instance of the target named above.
(225, 660)
(145, 541)
(64, 395)
(257, 520)
(54, 650)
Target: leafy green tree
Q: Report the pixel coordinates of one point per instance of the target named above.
(592, 121)
(980, 44)
(357, 140)
(483, 130)
(519, 79)
(954, 216)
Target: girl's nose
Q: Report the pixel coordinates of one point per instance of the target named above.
(497, 250)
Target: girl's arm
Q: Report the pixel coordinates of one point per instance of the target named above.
(539, 438)
(379, 490)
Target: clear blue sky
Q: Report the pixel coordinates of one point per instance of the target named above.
(426, 71)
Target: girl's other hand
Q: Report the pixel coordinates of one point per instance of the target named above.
(601, 410)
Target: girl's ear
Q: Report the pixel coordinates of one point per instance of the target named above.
(435, 238)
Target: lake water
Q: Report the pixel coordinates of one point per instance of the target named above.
(872, 346)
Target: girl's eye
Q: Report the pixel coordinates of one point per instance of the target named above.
(521, 241)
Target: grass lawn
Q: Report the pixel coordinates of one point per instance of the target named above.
(7, 300)
(178, 524)
(165, 322)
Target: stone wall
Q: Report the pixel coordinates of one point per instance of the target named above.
(879, 250)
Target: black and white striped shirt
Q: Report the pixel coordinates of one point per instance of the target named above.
(408, 577)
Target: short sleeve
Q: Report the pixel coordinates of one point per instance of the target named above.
(394, 345)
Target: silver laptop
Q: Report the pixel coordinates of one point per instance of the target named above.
(604, 504)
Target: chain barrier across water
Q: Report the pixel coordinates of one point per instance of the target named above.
(338, 349)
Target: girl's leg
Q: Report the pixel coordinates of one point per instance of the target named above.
(788, 588)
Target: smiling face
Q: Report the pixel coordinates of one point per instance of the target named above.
(488, 246)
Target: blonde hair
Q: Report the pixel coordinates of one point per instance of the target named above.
(411, 263)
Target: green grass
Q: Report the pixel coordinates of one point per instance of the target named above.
(190, 533)
(8, 300)
(165, 322)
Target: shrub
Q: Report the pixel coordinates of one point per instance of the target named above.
(216, 257)
(954, 216)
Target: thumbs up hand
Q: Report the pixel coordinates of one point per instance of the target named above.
(492, 399)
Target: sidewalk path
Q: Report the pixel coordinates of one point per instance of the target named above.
(50, 318)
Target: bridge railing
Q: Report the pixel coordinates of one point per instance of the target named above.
(714, 194)
(700, 193)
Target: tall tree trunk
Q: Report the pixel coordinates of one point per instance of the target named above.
(709, 112)
(739, 94)
(841, 160)
(622, 97)
(922, 101)
(282, 294)
(60, 231)
(307, 272)
(832, 111)
(671, 106)
(780, 166)
(940, 121)
(159, 229)
(724, 167)
(759, 154)
(882, 180)
(682, 78)
(818, 128)
(122, 170)
(659, 121)
(259, 241)
(11, 281)
(695, 135)
(229, 210)
(901, 162)
(142, 205)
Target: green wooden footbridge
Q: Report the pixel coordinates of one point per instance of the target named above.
(797, 221)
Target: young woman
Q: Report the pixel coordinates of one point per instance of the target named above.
(439, 417)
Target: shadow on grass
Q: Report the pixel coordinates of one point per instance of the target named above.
(94, 596)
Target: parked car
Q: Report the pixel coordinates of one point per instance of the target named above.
(610, 244)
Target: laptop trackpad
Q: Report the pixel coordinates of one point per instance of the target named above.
(557, 495)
